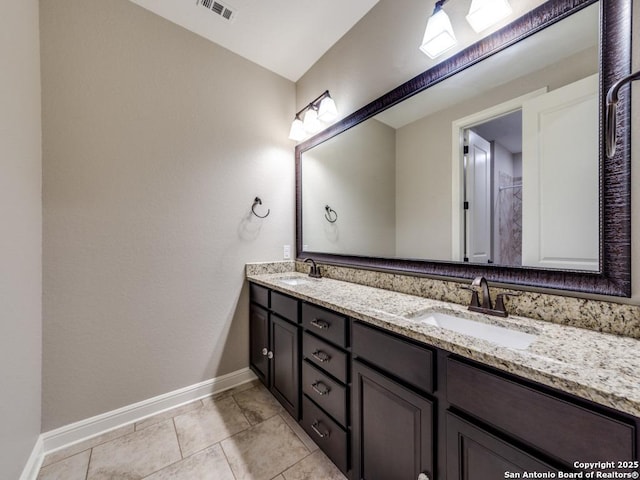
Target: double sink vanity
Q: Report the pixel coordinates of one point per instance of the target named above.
(394, 386)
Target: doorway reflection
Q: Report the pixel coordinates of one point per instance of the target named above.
(493, 190)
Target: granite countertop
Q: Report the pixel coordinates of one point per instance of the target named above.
(600, 367)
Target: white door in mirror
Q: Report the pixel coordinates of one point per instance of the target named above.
(560, 171)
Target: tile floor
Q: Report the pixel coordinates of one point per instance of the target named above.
(240, 434)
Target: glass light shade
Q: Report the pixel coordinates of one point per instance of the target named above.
(311, 122)
(297, 131)
(485, 13)
(438, 36)
(327, 111)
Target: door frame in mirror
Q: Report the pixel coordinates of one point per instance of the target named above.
(614, 275)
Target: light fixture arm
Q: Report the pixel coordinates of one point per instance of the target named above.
(313, 103)
(439, 5)
(611, 112)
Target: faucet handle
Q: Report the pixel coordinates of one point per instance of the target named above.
(500, 301)
(475, 301)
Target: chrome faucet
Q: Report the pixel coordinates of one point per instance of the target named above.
(314, 271)
(485, 305)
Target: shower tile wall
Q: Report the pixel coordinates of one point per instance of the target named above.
(509, 219)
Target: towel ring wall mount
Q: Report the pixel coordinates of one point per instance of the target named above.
(331, 215)
(258, 201)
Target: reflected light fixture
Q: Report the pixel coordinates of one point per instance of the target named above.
(319, 112)
(485, 13)
(438, 36)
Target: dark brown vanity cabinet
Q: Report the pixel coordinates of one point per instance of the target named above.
(325, 382)
(393, 421)
(275, 345)
(474, 454)
(534, 428)
(386, 407)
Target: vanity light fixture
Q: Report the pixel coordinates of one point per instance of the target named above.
(297, 131)
(311, 123)
(322, 110)
(439, 36)
(485, 13)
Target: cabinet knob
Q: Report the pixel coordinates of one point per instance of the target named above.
(265, 351)
(270, 355)
(423, 476)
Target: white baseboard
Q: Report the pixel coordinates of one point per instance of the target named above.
(32, 468)
(79, 431)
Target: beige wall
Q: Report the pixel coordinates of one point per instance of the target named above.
(359, 184)
(388, 36)
(21, 237)
(155, 143)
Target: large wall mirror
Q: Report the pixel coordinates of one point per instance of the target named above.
(490, 163)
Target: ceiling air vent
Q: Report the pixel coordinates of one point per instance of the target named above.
(223, 10)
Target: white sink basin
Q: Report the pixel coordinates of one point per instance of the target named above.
(505, 337)
(294, 280)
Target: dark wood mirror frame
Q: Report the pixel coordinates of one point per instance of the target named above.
(614, 277)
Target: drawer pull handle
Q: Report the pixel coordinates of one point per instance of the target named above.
(316, 428)
(320, 324)
(423, 476)
(264, 352)
(318, 390)
(321, 356)
(270, 355)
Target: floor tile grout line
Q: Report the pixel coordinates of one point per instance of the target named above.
(134, 426)
(86, 475)
(93, 446)
(291, 466)
(227, 459)
(298, 436)
(220, 441)
(175, 430)
(243, 413)
(177, 461)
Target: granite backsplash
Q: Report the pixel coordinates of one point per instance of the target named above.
(601, 316)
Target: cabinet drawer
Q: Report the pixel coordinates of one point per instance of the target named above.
(328, 325)
(327, 393)
(561, 429)
(259, 295)
(326, 433)
(285, 306)
(326, 356)
(406, 361)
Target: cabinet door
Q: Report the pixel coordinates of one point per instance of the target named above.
(259, 342)
(285, 376)
(473, 454)
(392, 428)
